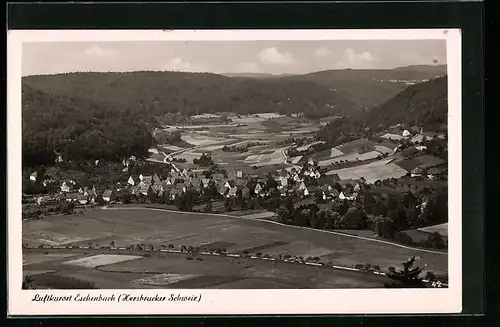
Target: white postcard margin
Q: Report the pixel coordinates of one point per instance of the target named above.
(219, 302)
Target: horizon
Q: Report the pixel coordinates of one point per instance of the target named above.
(230, 73)
(229, 57)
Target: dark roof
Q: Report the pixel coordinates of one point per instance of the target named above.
(330, 180)
(144, 187)
(435, 170)
(417, 170)
(241, 182)
(71, 195)
(218, 176)
(223, 189)
(175, 191)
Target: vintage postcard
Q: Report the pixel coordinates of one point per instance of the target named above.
(234, 172)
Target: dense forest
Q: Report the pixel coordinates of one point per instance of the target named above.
(423, 104)
(158, 93)
(79, 129)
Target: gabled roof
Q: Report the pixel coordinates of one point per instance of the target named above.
(144, 187)
(156, 179)
(180, 186)
(218, 177)
(283, 181)
(175, 191)
(147, 179)
(196, 182)
(434, 171)
(417, 170)
(82, 197)
(224, 190)
(136, 189)
(241, 182)
(233, 191)
(107, 193)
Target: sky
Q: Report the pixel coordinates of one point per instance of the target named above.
(274, 57)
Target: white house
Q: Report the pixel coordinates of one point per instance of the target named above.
(66, 187)
(417, 172)
(406, 133)
(131, 181)
(346, 196)
(83, 199)
(257, 189)
(106, 196)
(232, 192)
(33, 176)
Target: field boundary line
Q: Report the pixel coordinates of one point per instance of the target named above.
(281, 224)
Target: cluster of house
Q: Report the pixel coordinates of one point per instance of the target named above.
(414, 133)
(303, 182)
(433, 173)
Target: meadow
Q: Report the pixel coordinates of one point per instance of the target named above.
(135, 226)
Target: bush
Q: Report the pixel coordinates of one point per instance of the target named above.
(403, 238)
(61, 282)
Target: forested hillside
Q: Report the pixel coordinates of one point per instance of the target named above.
(157, 93)
(371, 87)
(79, 129)
(424, 104)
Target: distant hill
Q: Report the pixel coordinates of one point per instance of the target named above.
(371, 87)
(424, 104)
(157, 93)
(256, 75)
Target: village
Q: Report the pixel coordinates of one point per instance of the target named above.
(308, 192)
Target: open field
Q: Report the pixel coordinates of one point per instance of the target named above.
(351, 157)
(134, 226)
(197, 140)
(371, 172)
(174, 271)
(441, 229)
(425, 161)
(354, 145)
(307, 146)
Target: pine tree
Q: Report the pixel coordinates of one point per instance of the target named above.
(409, 277)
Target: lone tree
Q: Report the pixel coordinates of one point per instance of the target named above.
(29, 283)
(406, 278)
